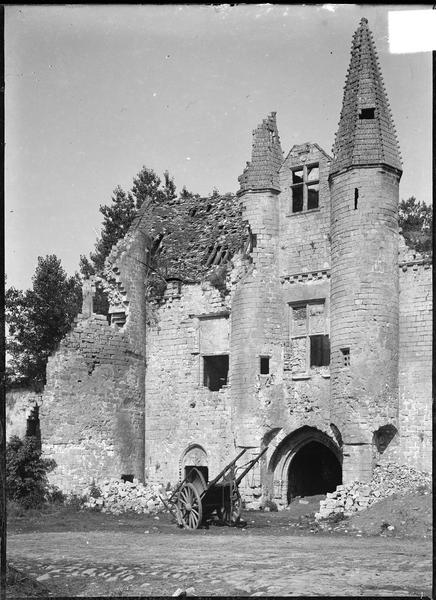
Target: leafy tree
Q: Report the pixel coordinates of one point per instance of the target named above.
(37, 320)
(416, 221)
(26, 472)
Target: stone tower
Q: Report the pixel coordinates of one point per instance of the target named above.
(364, 180)
(256, 306)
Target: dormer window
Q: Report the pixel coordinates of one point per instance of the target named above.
(305, 188)
(367, 113)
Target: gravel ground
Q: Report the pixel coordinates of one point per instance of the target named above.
(76, 553)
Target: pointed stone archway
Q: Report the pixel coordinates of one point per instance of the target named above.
(305, 463)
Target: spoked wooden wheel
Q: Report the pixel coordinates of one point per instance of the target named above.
(232, 510)
(189, 505)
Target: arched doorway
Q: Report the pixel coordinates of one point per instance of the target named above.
(314, 469)
(306, 462)
(194, 456)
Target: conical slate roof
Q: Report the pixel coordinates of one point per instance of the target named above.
(263, 171)
(366, 133)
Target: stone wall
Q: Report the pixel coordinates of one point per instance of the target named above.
(181, 412)
(415, 371)
(92, 413)
(92, 410)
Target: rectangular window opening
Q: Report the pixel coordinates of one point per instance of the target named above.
(215, 371)
(305, 188)
(319, 350)
(356, 197)
(346, 356)
(367, 113)
(264, 365)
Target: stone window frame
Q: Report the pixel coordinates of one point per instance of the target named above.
(305, 184)
(306, 374)
(198, 350)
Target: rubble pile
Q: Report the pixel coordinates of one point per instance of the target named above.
(386, 480)
(117, 496)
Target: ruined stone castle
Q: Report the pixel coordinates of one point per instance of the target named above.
(293, 316)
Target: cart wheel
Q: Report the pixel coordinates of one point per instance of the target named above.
(189, 505)
(231, 513)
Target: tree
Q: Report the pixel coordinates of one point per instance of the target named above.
(26, 472)
(119, 215)
(37, 320)
(416, 221)
(147, 186)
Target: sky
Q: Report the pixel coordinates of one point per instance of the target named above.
(93, 93)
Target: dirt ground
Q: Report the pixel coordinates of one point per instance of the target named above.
(59, 552)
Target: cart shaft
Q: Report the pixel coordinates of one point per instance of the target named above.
(227, 468)
(250, 466)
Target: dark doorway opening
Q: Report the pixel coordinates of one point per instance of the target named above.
(192, 476)
(313, 470)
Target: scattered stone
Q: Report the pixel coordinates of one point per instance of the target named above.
(387, 479)
(118, 496)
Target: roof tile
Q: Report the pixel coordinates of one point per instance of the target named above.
(365, 141)
(266, 159)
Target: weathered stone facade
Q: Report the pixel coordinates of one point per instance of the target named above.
(299, 321)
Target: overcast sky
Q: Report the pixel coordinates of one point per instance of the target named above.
(95, 92)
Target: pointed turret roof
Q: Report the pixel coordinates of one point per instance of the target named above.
(262, 173)
(366, 133)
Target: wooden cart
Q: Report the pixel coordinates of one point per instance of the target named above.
(195, 501)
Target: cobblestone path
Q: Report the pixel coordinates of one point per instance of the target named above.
(102, 563)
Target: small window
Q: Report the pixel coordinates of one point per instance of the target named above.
(118, 319)
(264, 365)
(356, 197)
(367, 113)
(319, 350)
(215, 371)
(346, 357)
(128, 478)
